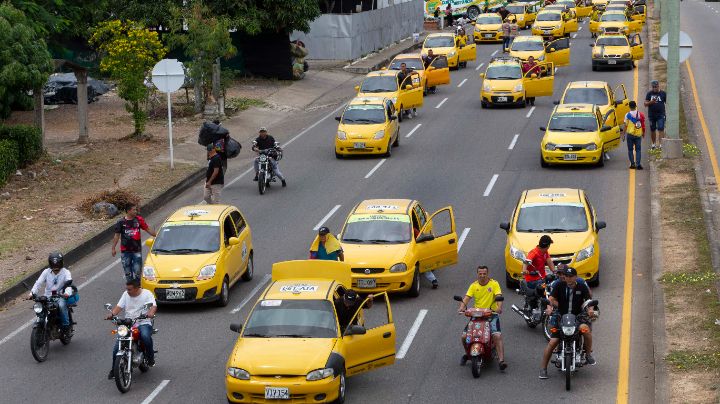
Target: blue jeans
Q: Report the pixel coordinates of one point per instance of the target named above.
(131, 263)
(146, 338)
(634, 142)
(63, 312)
(506, 42)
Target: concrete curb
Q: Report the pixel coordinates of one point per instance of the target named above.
(382, 61)
(104, 236)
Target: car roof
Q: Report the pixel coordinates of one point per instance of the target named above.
(490, 15)
(362, 100)
(614, 12)
(587, 84)
(579, 108)
(387, 206)
(549, 195)
(299, 289)
(439, 34)
(199, 212)
(528, 38)
(408, 56)
(381, 73)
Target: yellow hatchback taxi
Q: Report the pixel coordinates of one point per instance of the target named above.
(299, 342)
(199, 253)
(505, 84)
(488, 28)
(613, 104)
(436, 74)
(524, 13)
(615, 21)
(368, 125)
(569, 16)
(390, 242)
(568, 217)
(577, 134)
(556, 52)
(384, 83)
(617, 50)
(448, 45)
(550, 24)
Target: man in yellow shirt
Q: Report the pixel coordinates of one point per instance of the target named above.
(483, 292)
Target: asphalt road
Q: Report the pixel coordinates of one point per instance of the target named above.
(449, 160)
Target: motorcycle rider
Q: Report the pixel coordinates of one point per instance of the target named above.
(264, 142)
(55, 276)
(568, 297)
(133, 301)
(483, 292)
(539, 256)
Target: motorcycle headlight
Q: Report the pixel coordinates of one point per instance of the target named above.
(517, 253)
(585, 253)
(341, 135)
(238, 373)
(399, 267)
(37, 308)
(149, 273)
(626, 55)
(487, 87)
(591, 147)
(319, 374)
(123, 331)
(518, 88)
(550, 146)
(451, 54)
(263, 158)
(379, 134)
(207, 272)
(568, 331)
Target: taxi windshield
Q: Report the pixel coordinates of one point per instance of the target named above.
(490, 19)
(573, 123)
(555, 218)
(292, 319)
(377, 229)
(613, 17)
(612, 41)
(439, 42)
(364, 114)
(527, 46)
(503, 72)
(414, 64)
(548, 17)
(379, 84)
(197, 237)
(596, 96)
(515, 9)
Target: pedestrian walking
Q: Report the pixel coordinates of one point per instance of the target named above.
(214, 177)
(221, 144)
(505, 27)
(326, 247)
(634, 133)
(655, 102)
(448, 15)
(127, 231)
(514, 28)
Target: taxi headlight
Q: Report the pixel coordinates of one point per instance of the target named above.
(122, 331)
(550, 146)
(319, 374)
(207, 272)
(379, 134)
(568, 330)
(517, 253)
(341, 135)
(499, 30)
(558, 26)
(149, 273)
(520, 18)
(451, 54)
(399, 267)
(585, 253)
(487, 87)
(238, 373)
(626, 55)
(518, 88)
(37, 308)
(591, 147)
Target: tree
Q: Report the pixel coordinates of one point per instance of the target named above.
(129, 52)
(254, 16)
(25, 62)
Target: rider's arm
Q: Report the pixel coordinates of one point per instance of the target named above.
(146, 227)
(151, 312)
(464, 303)
(39, 282)
(550, 263)
(499, 305)
(341, 256)
(524, 269)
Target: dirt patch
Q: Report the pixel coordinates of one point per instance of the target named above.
(693, 388)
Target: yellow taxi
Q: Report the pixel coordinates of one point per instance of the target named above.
(385, 83)
(577, 134)
(556, 51)
(612, 103)
(617, 50)
(566, 215)
(368, 125)
(488, 28)
(300, 342)
(600, 4)
(639, 13)
(569, 16)
(615, 21)
(505, 84)
(524, 13)
(390, 242)
(199, 253)
(450, 46)
(436, 74)
(581, 10)
(550, 24)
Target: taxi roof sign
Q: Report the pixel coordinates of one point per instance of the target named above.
(312, 269)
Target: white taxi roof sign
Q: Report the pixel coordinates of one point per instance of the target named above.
(382, 207)
(552, 195)
(312, 269)
(196, 212)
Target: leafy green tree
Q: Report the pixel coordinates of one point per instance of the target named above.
(253, 16)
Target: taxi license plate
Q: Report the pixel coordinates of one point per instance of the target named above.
(612, 62)
(359, 145)
(570, 157)
(366, 283)
(547, 32)
(488, 35)
(277, 393)
(502, 99)
(175, 294)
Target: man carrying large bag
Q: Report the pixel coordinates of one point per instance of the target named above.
(214, 133)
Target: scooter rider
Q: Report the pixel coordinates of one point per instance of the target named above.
(264, 142)
(55, 277)
(568, 297)
(483, 292)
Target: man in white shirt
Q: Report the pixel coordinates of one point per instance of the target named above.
(55, 277)
(133, 301)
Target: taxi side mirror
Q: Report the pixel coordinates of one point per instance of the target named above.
(592, 45)
(600, 225)
(149, 242)
(543, 128)
(234, 241)
(355, 330)
(236, 327)
(556, 102)
(408, 87)
(482, 75)
(424, 237)
(357, 88)
(430, 68)
(337, 118)
(552, 49)
(605, 128)
(505, 226)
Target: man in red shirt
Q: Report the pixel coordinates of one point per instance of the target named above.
(538, 257)
(127, 231)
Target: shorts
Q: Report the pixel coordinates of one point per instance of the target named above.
(494, 325)
(657, 123)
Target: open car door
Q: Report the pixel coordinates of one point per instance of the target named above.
(468, 52)
(635, 26)
(538, 82)
(373, 346)
(558, 52)
(640, 13)
(411, 92)
(594, 26)
(571, 25)
(437, 242)
(622, 103)
(610, 134)
(583, 10)
(438, 73)
(637, 48)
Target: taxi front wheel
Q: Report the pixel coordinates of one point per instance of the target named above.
(224, 297)
(414, 290)
(341, 389)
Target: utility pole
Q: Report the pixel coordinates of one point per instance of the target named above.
(672, 143)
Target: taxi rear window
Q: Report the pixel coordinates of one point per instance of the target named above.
(522, 46)
(292, 318)
(494, 19)
(439, 42)
(548, 17)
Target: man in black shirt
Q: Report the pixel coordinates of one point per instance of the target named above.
(568, 297)
(655, 103)
(264, 142)
(347, 305)
(214, 177)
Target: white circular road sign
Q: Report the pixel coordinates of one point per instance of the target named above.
(685, 46)
(168, 75)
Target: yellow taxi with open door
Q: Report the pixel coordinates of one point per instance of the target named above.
(613, 103)
(450, 46)
(406, 95)
(435, 74)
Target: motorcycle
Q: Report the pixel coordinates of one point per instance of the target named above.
(476, 338)
(533, 311)
(47, 325)
(266, 174)
(130, 353)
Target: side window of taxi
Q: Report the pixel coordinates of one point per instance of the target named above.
(239, 221)
(228, 229)
(591, 210)
(388, 109)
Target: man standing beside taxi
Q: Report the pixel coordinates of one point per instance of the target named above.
(326, 247)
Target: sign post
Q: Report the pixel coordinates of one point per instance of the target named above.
(675, 47)
(168, 76)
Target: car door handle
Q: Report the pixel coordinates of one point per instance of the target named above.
(451, 241)
(387, 334)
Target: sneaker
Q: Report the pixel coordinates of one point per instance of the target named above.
(111, 375)
(463, 360)
(256, 178)
(543, 374)
(652, 147)
(151, 362)
(502, 365)
(640, 167)
(435, 284)
(284, 183)
(632, 166)
(589, 359)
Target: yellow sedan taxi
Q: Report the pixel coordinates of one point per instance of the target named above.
(524, 13)
(577, 134)
(436, 74)
(300, 341)
(617, 50)
(556, 52)
(488, 28)
(615, 21)
(384, 83)
(199, 253)
(368, 125)
(550, 24)
(600, 4)
(612, 103)
(581, 10)
(448, 45)
(390, 242)
(505, 84)
(568, 217)
(569, 16)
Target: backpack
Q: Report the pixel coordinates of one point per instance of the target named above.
(636, 127)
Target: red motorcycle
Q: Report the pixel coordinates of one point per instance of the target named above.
(476, 337)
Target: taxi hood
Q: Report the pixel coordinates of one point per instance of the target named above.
(169, 266)
(281, 356)
(374, 255)
(563, 243)
(524, 55)
(612, 50)
(361, 131)
(439, 51)
(572, 137)
(503, 85)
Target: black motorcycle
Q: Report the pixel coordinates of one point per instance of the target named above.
(47, 326)
(533, 311)
(130, 353)
(266, 174)
(571, 353)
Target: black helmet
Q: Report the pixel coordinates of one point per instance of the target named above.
(55, 260)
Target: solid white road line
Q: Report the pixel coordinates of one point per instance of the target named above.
(375, 168)
(413, 130)
(479, 66)
(442, 102)
(512, 144)
(494, 53)
(462, 82)
(490, 186)
(463, 236)
(252, 293)
(530, 112)
(324, 219)
(155, 392)
(411, 335)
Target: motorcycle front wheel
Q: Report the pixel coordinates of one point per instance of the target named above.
(123, 375)
(262, 183)
(569, 359)
(475, 366)
(39, 344)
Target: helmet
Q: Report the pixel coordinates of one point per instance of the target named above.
(55, 260)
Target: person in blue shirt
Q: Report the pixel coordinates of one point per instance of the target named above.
(326, 247)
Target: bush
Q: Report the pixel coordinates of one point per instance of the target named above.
(121, 198)
(28, 139)
(8, 159)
